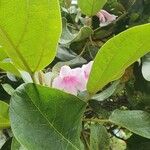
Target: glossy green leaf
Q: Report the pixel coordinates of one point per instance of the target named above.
(146, 67)
(46, 114)
(29, 32)
(136, 121)
(4, 117)
(117, 54)
(91, 7)
(99, 138)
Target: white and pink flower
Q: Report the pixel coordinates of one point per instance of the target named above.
(105, 18)
(72, 80)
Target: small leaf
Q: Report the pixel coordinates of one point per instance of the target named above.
(146, 67)
(106, 93)
(136, 121)
(117, 54)
(91, 7)
(67, 37)
(73, 63)
(65, 54)
(46, 114)
(84, 33)
(30, 34)
(8, 66)
(99, 138)
(4, 118)
(8, 88)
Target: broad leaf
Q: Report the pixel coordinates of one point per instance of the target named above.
(146, 67)
(4, 117)
(91, 7)
(117, 54)
(46, 114)
(29, 32)
(136, 121)
(99, 138)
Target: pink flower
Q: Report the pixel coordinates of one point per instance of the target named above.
(105, 18)
(72, 80)
(87, 69)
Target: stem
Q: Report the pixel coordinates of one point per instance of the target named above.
(83, 50)
(90, 38)
(33, 77)
(85, 140)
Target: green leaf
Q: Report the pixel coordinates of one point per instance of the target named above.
(73, 63)
(46, 114)
(91, 7)
(65, 54)
(99, 138)
(136, 121)
(67, 37)
(117, 54)
(4, 117)
(30, 34)
(9, 66)
(8, 88)
(146, 67)
(106, 93)
(84, 33)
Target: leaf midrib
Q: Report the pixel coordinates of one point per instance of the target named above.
(51, 125)
(8, 39)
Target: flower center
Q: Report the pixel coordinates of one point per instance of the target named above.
(70, 79)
